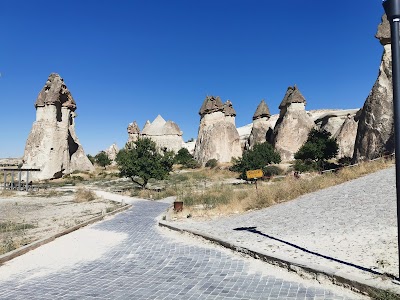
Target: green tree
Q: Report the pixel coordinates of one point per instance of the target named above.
(141, 161)
(318, 148)
(102, 159)
(256, 158)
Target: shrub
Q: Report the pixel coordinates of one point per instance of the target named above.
(184, 158)
(256, 158)
(305, 165)
(211, 163)
(272, 171)
(84, 195)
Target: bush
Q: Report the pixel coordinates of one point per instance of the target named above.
(184, 158)
(272, 171)
(84, 195)
(211, 163)
(257, 158)
(319, 147)
(306, 165)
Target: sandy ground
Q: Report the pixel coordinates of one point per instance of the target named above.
(39, 217)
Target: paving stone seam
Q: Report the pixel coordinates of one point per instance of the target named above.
(353, 284)
(25, 249)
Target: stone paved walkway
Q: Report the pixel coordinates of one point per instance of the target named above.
(129, 257)
(349, 230)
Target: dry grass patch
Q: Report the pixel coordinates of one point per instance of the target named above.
(227, 199)
(7, 193)
(84, 195)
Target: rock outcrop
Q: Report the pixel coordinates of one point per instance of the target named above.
(294, 124)
(112, 152)
(342, 125)
(261, 125)
(133, 132)
(346, 136)
(375, 134)
(218, 137)
(166, 134)
(52, 145)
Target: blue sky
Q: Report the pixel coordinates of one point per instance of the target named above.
(132, 60)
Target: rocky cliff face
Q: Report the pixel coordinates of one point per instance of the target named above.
(342, 125)
(261, 125)
(294, 124)
(218, 137)
(52, 144)
(375, 134)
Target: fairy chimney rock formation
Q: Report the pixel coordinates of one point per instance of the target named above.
(292, 128)
(166, 134)
(112, 152)
(261, 125)
(52, 145)
(375, 134)
(218, 137)
(133, 132)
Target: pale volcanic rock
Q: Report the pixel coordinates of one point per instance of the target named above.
(375, 134)
(112, 152)
(294, 124)
(52, 145)
(218, 137)
(261, 125)
(166, 134)
(346, 136)
(133, 132)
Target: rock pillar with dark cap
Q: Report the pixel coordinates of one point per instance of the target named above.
(218, 137)
(52, 144)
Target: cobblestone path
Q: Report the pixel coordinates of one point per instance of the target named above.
(148, 264)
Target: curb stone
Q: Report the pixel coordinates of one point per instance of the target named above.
(24, 249)
(304, 270)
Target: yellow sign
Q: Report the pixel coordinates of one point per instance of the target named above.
(254, 174)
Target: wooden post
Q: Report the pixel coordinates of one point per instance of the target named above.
(12, 180)
(27, 180)
(19, 180)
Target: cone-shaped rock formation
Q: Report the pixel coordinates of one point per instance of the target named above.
(52, 145)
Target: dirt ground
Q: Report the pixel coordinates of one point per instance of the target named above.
(25, 218)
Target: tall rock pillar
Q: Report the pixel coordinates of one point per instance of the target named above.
(52, 145)
(375, 133)
(218, 137)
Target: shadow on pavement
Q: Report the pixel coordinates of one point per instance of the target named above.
(254, 230)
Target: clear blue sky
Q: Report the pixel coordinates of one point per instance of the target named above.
(132, 60)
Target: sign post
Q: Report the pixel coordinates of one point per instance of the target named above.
(254, 174)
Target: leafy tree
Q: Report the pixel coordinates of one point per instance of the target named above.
(102, 159)
(318, 148)
(256, 158)
(141, 161)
